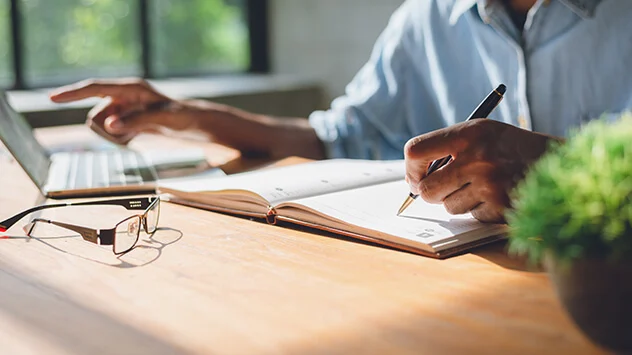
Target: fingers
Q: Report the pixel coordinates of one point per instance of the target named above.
(96, 88)
(468, 185)
(101, 111)
(121, 139)
(102, 115)
(488, 158)
(97, 117)
(141, 121)
(489, 213)
(436, 144)
(462, 200)
(486, 205)
(435, 187)
(421, 151)
(121, 129)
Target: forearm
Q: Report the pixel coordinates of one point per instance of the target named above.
(253, 133)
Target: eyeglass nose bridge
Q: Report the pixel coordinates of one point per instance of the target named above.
(28, 228)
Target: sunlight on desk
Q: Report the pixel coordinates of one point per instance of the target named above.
(214, 283)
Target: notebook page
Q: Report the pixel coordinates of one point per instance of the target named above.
(375, 207)
(300, 181)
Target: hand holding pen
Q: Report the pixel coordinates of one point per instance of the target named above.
(488, 159)
(482, 111)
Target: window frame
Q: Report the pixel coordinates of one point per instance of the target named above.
(256, 20)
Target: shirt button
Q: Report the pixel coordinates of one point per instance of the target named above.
(522, 122)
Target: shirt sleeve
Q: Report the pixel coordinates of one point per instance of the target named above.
(369, 121)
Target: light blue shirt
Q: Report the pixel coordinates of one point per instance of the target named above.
(437, 59)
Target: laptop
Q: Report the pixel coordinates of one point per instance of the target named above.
(86, 173)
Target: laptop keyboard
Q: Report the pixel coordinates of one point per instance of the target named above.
(108, 168)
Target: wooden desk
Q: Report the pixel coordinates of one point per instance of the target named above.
(221, 284)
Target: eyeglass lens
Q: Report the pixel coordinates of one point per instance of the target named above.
(126, 234)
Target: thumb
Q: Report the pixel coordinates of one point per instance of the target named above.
(421, 151)
(141, 121)
(132, 124)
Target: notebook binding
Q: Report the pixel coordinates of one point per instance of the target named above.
(271, 215)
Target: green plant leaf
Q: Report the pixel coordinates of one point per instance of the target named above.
(576, 201)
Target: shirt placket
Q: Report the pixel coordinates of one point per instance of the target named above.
(496, 16)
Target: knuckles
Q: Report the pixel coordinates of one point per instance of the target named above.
(478, 128)
(141, 83)
(130, 82)
(137, 83)
(409, 147)
(86, 83)
(481, 137)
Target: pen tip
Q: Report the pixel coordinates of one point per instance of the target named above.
(406, 203)
(501, 89)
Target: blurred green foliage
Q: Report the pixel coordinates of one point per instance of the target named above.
(77, 38)
(66, 40)
(5, 54)
(576, 202)
(197, 35)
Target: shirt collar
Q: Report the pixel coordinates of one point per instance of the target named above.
(584, 8)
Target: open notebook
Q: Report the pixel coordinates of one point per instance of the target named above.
(354, 198)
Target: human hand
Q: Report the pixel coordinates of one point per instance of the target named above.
(131, 106)
(488, 159)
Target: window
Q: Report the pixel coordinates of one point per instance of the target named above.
(72, 39)
(6, 78)
(215, 36)
(56, 42)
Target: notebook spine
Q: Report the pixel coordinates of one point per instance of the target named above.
(271, 215)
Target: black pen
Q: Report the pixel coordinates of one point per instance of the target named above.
(482, 111)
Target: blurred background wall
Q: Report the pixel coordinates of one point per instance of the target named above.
(328, 40)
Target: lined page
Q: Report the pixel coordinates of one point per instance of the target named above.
(300, 181)
(375, 207)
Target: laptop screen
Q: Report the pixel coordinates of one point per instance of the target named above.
(17, 136)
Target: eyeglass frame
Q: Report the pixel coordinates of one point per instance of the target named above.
(95, 236)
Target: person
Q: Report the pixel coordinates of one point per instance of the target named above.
(563, 61)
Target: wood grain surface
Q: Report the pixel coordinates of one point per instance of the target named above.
(208, 283)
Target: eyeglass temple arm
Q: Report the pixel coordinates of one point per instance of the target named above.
(141, 203)
(103, 237)
(127, 203)
(8, 223)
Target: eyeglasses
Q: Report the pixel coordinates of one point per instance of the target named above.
(123, 237)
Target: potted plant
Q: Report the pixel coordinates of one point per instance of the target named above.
(573, 212)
